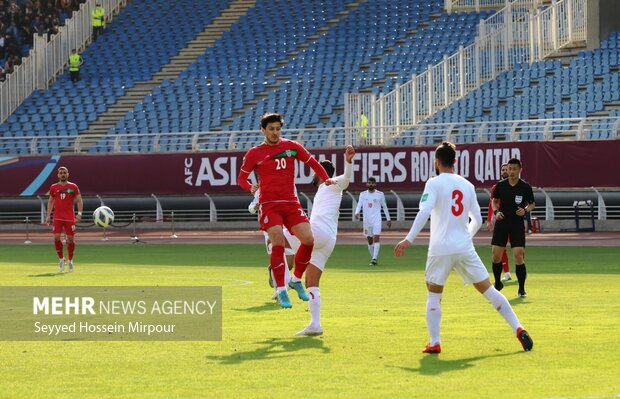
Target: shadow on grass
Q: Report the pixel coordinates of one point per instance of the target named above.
(518, 301)
(273, 348)
(267, 306)
(47, 274)
(434, 364)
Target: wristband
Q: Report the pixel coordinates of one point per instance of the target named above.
(79, 213)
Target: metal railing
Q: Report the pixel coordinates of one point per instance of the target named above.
(523, 37)
(47, 60)
(422, 134)
(477, 5)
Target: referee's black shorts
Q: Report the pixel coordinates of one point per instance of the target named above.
(513, 228)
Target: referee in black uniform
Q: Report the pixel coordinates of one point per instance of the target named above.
(512, 199)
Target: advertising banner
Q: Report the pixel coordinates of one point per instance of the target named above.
(578, 164)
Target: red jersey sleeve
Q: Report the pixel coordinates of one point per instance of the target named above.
(490, 212)
(249, 163)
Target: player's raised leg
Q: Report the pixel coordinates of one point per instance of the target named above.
(501, 304)
(302, 257)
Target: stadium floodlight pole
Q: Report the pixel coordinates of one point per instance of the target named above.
(27, 231)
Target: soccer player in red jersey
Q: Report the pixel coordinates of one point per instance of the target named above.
(497, 270)
(61, 198)
(274, 163)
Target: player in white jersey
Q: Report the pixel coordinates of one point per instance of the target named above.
(324, 224)
(372, 201)
(451, 201)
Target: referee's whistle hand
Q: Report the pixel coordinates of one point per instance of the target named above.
(520, 211)
(499, 216)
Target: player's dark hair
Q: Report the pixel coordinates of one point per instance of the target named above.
(446, 154)
(372, 179)
(270, 118)
(514, 161)
(328, 166)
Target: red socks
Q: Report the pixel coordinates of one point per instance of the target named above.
(505, 262)
(277, 264)
(70, 248)
(302, 258)
(58, 245)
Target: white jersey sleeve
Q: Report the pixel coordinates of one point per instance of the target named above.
(343, 180)
(385, 208)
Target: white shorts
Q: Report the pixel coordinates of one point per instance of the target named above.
(468, 265)
(324, 244)
(372, 229)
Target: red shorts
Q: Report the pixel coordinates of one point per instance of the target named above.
(58, 225)
(288, 214)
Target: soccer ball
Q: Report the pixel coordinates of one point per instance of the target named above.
(103, 216)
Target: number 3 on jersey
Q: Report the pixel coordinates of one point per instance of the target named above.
(457, 206)
(280, 163)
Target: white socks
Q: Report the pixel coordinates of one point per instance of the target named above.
(433, 316)
(371, 249)
(501, 304)
(375, 252)
(314, 304)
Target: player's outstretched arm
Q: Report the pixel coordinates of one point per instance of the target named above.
(319, 170)
(343, 180)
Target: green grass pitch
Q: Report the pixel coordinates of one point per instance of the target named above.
(374, 329)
